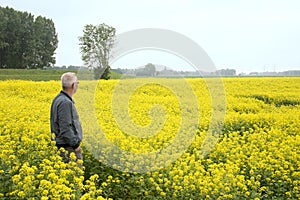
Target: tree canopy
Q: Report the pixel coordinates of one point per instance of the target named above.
(26, 42)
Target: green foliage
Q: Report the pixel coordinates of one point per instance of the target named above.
(255, 158)
(45, 36)
(26, 42)
(95, 45)
(115, 74)
(102, 73)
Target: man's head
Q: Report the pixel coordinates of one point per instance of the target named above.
(69, 82)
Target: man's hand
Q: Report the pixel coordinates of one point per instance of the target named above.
(77, 149)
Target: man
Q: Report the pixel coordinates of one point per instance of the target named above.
(64, 118)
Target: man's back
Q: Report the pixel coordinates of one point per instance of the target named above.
(64, 121)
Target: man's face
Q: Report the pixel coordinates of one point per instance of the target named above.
(75, 85)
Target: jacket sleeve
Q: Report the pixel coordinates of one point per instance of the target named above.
(66, 127)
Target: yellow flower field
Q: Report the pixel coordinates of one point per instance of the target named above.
(146, 138)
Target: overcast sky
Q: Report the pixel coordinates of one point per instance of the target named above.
(247, 35)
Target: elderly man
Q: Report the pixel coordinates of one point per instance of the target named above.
(64, 118)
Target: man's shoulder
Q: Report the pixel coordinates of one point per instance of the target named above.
(62, 98)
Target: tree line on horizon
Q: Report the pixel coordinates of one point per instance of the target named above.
(26, 41)
(152, 70)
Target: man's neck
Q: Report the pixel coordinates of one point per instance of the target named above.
(69, 92)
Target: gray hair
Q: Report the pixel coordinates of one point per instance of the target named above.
(67, 79)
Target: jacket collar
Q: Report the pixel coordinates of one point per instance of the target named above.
(66, 94)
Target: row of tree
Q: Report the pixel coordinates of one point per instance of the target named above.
(26, 42)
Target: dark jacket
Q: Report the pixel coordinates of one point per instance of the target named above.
(64, 121)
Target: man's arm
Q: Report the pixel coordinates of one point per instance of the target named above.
(66, 126)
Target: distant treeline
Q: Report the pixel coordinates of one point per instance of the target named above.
(151, 70)
(284, 73)
(26, 41)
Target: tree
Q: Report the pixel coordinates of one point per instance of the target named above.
(26, 41)
(3, 43)
(45, 42)
(95, 45)
(227, 72)
(10, 48)
(148, 70)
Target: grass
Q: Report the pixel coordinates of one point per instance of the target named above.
(46, 75)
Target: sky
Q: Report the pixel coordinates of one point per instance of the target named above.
(246, 35)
